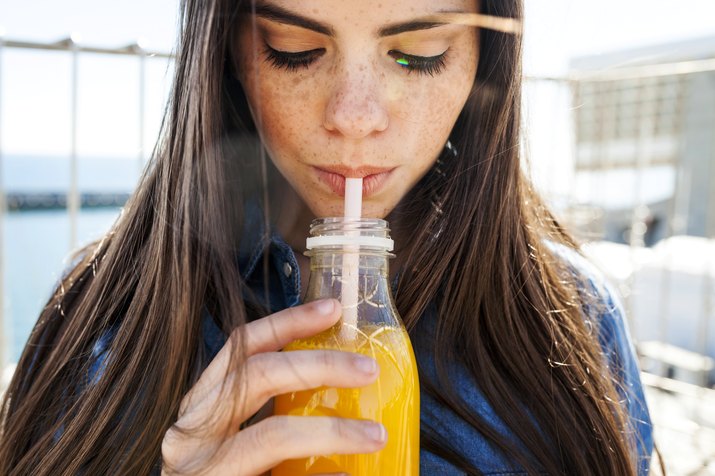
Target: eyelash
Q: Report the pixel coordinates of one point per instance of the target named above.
(430, 65)
(292, 61)
(427, 65)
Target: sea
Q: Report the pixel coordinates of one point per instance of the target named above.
(36, 243)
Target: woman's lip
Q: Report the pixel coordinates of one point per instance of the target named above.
(359, 172)
(371, 184)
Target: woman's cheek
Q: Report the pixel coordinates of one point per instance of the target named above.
(287, 113)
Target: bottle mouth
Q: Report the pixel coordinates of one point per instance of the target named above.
(358, 233)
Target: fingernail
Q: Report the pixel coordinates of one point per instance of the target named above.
(325, 306)
(365, 364)
(375, 431)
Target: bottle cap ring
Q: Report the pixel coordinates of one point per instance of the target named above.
(343, 240)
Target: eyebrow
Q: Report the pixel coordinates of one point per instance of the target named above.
(281, 15)
(416, 25)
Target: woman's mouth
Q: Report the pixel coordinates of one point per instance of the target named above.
(373, 181)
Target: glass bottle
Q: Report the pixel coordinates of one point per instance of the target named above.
(349, 262)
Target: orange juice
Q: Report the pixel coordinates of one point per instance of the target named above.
(393, 400)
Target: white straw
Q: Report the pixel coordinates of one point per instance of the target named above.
(353, 198)
(351, 259)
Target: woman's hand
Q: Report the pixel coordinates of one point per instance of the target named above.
(268, 373)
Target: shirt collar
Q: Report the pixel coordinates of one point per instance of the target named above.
(254, 239)
(283, 273)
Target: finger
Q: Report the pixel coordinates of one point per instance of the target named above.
(270, 333)
(280, 329)
(275, 373)
(266, 444)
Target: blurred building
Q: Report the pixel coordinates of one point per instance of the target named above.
(644, 123)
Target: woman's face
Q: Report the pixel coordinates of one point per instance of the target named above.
(355, 89)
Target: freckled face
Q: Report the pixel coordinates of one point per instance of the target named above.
(345, 94)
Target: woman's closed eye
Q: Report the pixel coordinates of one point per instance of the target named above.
(422, 64)
(294, 61)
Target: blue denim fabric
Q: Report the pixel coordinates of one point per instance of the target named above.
(284, 291)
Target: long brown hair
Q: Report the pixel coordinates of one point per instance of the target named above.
(506, 313)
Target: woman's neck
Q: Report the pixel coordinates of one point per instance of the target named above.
(293, 219)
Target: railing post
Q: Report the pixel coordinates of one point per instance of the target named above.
(4, 341)
(73, 193)
(709, 263)
(142, 103)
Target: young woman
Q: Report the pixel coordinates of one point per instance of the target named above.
(162, 342)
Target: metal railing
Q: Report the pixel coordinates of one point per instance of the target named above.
(72, 47)
(73, 200)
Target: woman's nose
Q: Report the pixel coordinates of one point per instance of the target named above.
(355, 108)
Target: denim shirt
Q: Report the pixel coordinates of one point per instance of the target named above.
(285, 289)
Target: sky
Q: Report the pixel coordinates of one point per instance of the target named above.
(35, 86)
(557, 30)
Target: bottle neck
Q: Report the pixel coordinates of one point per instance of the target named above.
(331, 270)
(349, 262)
(336, 260)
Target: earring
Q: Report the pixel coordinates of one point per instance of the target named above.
(450, 148)
(439, 164)
(436, 199)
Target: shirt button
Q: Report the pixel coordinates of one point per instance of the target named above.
(287, 269)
